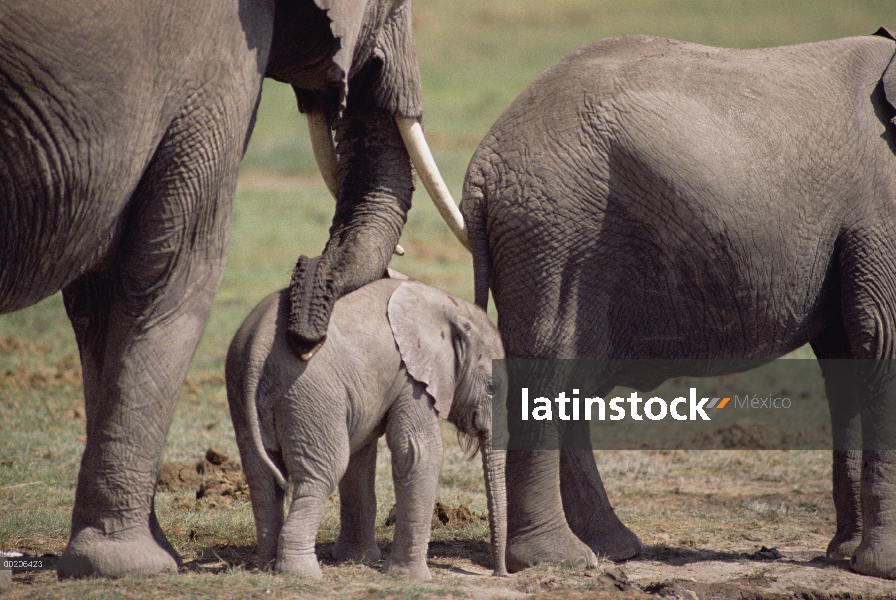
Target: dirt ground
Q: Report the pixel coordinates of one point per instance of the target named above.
(720, 525)
(715, 525)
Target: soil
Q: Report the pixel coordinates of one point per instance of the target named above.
(706, 537)
(758, 435)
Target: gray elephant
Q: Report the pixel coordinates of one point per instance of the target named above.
(648, 198)
(121, 131)
(399, 354)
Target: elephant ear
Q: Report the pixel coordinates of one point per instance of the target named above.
(425, 331)
(346, 21)
(395, 84)
(371, 45)
(889, 77)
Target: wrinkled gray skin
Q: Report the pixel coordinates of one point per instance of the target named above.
(122, 125)
(648, 198)
(398, 355)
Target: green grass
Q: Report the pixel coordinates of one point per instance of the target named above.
(475, 57)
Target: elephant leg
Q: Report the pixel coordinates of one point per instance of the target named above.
(137, 326)
(415, 441)
(537, 530)
(357, 508)
(832, 348)
(588, 510)
(876, 555)
(316, 470)
(295, 551)
(868, 275)
(267, 498)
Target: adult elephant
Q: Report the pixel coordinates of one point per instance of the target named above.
(647, 198)
(122, 125)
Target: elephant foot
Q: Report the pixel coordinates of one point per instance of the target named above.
(302, 564)
(609, 538)
(416, 570)
(588, 510)
(528, 550)
(360, 552)
(134, 551)
(877, 560)
(843, 545)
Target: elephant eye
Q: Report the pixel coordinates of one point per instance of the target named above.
(489, 386)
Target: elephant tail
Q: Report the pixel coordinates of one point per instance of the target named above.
(473, 209)
(250, 409)
(243, 368)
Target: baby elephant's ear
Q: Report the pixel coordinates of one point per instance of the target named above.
(421, 318)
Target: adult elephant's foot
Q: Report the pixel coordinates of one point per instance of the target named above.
(299, 564)
(361, 552)
(607, 537)
(415, 569)
(537, 528)
(134, 551)
(561, 545)
(847, 471)
(588, 510)
(876, 555)
(844, 543)
(877, 559)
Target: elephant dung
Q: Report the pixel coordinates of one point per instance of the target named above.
(445, 516)
(215, 476)
(221, 477)
(176, 476)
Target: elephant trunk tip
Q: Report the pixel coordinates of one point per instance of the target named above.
(306, 356)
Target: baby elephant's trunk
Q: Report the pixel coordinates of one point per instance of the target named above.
(493, 461)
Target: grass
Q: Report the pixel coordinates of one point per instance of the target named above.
(475, 57)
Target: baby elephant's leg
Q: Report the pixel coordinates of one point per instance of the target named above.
(295, 551)
(357, 508)
(415, 440)
(315, 475)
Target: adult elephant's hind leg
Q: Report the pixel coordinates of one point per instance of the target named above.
(832, 348)
(588, 510)
(868, 275)
(537, 530)
(137, 326)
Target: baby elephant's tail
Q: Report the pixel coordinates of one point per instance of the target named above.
(243, 368)
(472, 207)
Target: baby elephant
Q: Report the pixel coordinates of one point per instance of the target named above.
(398, 355)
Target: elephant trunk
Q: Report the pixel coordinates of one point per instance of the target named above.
(324, 151)
(412, 134)
(493, 462)
(375, 184)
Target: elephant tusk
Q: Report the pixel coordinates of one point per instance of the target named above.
(421, 157)
(323, 148)
(325, 154)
